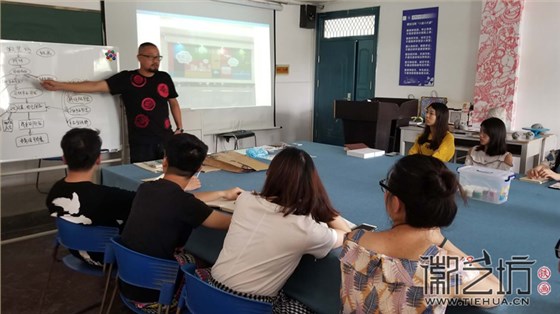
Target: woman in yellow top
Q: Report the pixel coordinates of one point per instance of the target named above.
(436, 140)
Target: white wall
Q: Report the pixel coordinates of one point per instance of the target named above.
(82, 4)
(456, 54)
(539, 73)
(459, 24)
(294, 92)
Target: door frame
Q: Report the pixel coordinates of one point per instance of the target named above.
(319, 38)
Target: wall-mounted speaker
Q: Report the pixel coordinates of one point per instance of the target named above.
(307, 16)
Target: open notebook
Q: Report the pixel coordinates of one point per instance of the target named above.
(223, 204)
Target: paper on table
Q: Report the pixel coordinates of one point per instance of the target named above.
(223, 204)
(153, 179)
(535, 180)
(153, 165)
(365, 153)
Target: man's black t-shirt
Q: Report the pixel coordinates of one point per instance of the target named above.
(146, 103)
(88, 203)
(162, 219)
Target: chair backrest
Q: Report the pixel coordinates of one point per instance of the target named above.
(146, 271)
(82, 237)
(203, 298)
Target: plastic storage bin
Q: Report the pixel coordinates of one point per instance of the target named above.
(485, 184)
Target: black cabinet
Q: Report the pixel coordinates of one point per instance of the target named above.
(375, 122)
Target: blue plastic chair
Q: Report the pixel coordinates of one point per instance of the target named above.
(83, 238)
(144, 271)
(200, 297)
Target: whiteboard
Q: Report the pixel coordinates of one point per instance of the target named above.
(34, 119)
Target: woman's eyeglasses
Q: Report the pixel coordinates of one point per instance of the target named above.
(384, 186)
(153, 58)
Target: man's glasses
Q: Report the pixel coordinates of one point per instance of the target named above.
(153, 58)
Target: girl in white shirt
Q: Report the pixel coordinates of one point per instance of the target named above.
(270, 232)
(492, 151)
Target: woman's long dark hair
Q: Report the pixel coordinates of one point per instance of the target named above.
(293, 183)
(496, 131)
(440, 127)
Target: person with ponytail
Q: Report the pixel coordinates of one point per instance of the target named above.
(390, 271)
(436, 140)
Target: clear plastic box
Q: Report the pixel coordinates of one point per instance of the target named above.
(485, 184)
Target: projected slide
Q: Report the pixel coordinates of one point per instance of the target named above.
(204, 63)
(216, 63)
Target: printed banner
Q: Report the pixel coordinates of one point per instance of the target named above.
(418, 47)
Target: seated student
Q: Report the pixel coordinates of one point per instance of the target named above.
(163, 215)
(77, 199)
(270, 232)
(383, 272)
(549, 168)
(436, 140)
(492, 151)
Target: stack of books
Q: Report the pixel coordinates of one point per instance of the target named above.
(360, 150)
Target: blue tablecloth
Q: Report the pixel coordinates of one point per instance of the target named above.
(528, 224)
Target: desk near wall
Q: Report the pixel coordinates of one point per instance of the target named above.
(529, 151)
(527, 224)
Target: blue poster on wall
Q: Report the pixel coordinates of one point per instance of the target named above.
(418, 47)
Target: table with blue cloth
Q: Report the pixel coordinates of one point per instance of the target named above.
(514, 234)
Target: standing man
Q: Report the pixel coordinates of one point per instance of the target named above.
(146, 94)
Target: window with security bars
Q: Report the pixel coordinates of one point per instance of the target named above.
(349, 27)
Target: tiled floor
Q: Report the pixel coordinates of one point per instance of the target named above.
(25, 266)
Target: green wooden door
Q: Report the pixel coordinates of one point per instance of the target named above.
(345, 68)
(335, 72)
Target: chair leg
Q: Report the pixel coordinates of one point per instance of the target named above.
(115, 289)
(106, 288)
(54, 259)
(236, 143)
(37, 178)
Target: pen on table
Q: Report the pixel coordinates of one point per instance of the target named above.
(197, 174)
